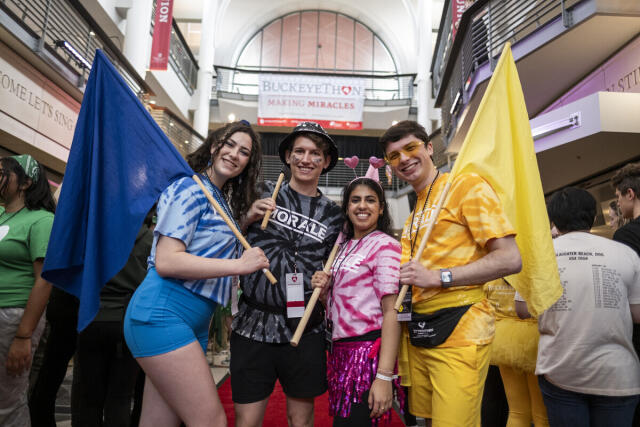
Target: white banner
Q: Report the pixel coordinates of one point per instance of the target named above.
(333, 102)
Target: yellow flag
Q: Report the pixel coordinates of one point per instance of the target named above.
(499, 148)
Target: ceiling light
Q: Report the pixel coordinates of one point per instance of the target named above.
(231, 117)
(82, 62)
(573, 121)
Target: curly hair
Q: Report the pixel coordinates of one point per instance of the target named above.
(628, 177)
(384, 220)
(38, 194)
(242, 187)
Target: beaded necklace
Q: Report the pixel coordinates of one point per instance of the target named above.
(334, 272)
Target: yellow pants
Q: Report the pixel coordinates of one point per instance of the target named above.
(447, 384)
(524, 397)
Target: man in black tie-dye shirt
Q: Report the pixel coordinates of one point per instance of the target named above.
(301, 232)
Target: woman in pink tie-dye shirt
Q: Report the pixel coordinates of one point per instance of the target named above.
(361, 292)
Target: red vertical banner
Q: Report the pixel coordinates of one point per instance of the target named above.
(458, 7)
(161, 35)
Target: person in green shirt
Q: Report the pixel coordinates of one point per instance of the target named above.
(26, 217)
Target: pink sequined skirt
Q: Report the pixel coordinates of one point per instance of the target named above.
(351, 369)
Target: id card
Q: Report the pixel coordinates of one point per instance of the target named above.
(295, 295)
(404, 313)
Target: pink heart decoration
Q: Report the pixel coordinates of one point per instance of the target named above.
(376, 162)
(351, 162)
(346, 90)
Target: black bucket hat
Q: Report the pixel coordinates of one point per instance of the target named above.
(309, 127)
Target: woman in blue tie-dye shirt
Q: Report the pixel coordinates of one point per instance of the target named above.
(193, 262)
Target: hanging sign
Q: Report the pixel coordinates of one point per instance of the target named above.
(288, 99)
(161, 35)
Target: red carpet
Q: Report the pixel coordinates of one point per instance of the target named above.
(276, 413)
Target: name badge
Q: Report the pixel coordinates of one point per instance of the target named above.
(295, 295)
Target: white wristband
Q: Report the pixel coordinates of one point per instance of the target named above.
(385, 378)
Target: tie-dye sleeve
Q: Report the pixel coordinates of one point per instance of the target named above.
(386, 270)
(480, 208)
(179, 209)
(335, 221)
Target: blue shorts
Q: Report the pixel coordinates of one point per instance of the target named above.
(163, 316)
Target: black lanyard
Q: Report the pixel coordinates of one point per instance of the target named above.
(9, 215)
(335, 270)
(297, 237)
(415, 238)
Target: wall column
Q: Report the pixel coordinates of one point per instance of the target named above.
(205, 62)
(137, 38)
(425, 53)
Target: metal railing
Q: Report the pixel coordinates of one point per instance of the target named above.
(482, 32)
(338, 177)
(379, 87)
(181, 58)
(181, 134)
(182, 61)
(64, 30)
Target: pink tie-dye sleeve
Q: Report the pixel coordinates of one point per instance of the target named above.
(386, 270)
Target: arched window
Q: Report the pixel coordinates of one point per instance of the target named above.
(317, 41)
(322, 42)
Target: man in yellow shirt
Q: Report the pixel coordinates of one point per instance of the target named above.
(446, 345)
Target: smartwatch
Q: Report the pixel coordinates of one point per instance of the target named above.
(446, 278)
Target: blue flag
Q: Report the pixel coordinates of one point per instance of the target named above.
(120, 162)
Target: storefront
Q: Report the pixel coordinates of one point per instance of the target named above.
(36, 116)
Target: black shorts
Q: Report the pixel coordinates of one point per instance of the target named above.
(255, 366)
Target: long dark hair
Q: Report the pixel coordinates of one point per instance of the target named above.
(384, 220)
(620, 220)
(243, 186)
(38, 194)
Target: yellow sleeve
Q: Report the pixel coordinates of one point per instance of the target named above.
(477, 205)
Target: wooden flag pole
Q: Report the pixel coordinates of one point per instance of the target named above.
(425, 237)
(314, 296)
(267, 214)
(231, 224)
